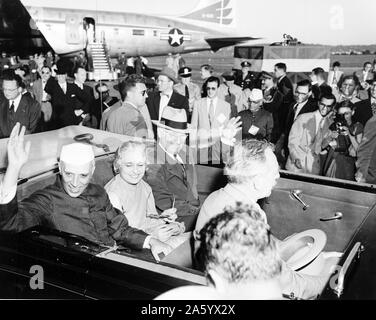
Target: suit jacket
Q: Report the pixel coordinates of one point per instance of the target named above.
(28, 114)
(64, 104)
(366, 162)
(203, 133)
(331, 81)
(127, 120)
(302, 143)
(273, 104)
(310, 106)
(90, 215)
(37, 90)
(286, 88)
(176, 101)
(168, 181)
(363, 111)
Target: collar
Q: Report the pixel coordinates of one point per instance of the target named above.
(280, 79)
(177, 158)
(232, 189)
(16, 102)
(168, 94)
(78, 84)
(130, 103)
(215, 99)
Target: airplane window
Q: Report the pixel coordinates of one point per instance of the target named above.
(241, 52)
(138, 32)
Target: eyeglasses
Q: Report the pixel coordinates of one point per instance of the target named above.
(211, 88)
(328, 106)
(143, 92)
(301, 93)
(47, 72)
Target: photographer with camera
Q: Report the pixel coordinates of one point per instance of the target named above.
(341, 143)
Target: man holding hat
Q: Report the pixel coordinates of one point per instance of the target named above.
(257, 122)
(65, 109)
(247, 79)
(187, 88)
(72, 204)
(172, 174)
(165, 95)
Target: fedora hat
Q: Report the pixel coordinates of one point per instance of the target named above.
(169, 73)
(173, 119)
(302, 248)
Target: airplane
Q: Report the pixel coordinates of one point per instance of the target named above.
(209, 26)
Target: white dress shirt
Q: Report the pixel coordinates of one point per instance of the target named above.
(165, 98)
(16, 102)
(299, 108)
(208, 101)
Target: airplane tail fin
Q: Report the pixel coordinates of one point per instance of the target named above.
(219, 12)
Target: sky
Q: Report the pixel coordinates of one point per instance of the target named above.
(333, 22)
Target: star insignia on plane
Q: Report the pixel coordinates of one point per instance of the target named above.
(176, 37)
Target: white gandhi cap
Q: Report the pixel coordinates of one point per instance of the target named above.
(77, 153)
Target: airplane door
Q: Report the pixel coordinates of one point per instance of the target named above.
(72, 27)
(89, 27)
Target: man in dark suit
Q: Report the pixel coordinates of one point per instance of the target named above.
(303, 104)
(319, 85)
(246, 79)
(284, 86)
(44, 99)
(16, 107)
(165, 96)
(79, 73)
(65, 109)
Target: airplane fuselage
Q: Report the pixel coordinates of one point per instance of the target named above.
(135, 34)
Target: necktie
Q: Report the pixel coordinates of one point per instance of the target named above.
(11, 111)
(319, 136)
(295, 109)
(187, 91)
(211, 112)
(182, 167)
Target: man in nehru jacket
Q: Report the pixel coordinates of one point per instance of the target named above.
(72, 204)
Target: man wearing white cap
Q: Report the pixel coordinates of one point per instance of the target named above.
(257, 122)
(72, 204)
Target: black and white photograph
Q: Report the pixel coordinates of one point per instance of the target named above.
(205, 150)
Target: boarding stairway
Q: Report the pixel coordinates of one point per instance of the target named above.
(100, 63)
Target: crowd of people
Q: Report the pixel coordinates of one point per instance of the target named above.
(252, 124)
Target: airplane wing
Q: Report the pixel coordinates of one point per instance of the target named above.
(218, 43)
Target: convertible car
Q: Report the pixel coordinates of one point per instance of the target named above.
(75, 268)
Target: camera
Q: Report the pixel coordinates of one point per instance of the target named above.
(340, 122)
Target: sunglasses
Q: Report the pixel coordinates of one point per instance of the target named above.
(143, 92)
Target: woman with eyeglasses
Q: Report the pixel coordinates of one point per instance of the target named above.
(342, 143)
(134, 197)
